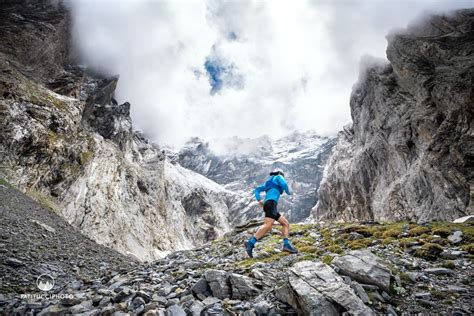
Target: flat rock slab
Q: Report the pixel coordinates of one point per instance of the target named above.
(316, 286)
(365, 267)
(439, 271)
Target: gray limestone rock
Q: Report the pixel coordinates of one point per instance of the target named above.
(365, 267)
(318, 277)
(175, 310)
(455, 237)
(407, 154)
(439, 271)
(242, 287)
(218, 282)
(80, 308)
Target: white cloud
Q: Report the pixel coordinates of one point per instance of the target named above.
(291, 64)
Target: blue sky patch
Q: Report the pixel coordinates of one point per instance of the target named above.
(222, 74)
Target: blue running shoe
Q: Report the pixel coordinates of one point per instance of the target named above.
(289, 248)
(249, 248)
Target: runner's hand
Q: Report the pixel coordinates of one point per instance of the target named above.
(260, 203)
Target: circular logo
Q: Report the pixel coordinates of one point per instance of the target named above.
(45, 282)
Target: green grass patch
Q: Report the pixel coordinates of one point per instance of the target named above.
(449, 264)
(469, 248)
(429, 251)
(327, 259)
(334, 249)
(419, 230)
(392, 233)
(359, 243)
(441, 231)
(5, 183)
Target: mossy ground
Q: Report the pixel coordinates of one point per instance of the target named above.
(316, 242)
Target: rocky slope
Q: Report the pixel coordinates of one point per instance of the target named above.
(242, 164)
(409, 153)
(66, 142)
(35, 241)
(372, 269)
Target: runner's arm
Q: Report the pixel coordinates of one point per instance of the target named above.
(258, 190)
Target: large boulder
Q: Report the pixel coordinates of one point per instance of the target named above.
(314, 288)
(365, 267)
(218, 282)
(230, 285)
(408, 153)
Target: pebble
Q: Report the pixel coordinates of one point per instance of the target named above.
(15, 263)
(423, 295)
(439, 271)
(455, 237)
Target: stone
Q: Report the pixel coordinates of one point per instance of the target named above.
(210, 300)
(456, 289)
(359, 290)
(44, 226)
(455, 237)
(365, 267)
(414, 276)
(137, 302)
(75, 285)
(81, 308)
(439, 271)
(144, 295)
(423, 295)
(107, 311)
(201, 287)
(451, 254)
(218, 282)
(196, 308)
(15, 263)
(262, 308)
(376, 297)
(242, 287)
(53, 310)
(390, 311)
(159, 299)
(175, 310)
(316, 284)
(123, 295)
(355, 236)
(104, 302)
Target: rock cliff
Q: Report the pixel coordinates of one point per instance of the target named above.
(66, 142)
(409, 153)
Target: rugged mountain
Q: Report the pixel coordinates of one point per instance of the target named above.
(410, 151)
(67, 142)
(242, 164)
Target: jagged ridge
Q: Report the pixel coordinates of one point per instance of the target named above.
(409, 154)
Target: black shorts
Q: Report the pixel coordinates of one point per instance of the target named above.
(270, 209)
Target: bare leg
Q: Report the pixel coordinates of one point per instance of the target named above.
(265, 228)
(285, 226)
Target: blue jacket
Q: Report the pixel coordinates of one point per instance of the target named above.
(278, 185)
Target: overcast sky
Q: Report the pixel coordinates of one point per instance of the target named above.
(245, 68)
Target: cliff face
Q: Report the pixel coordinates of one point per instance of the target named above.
(410, 151)
(66, 142)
